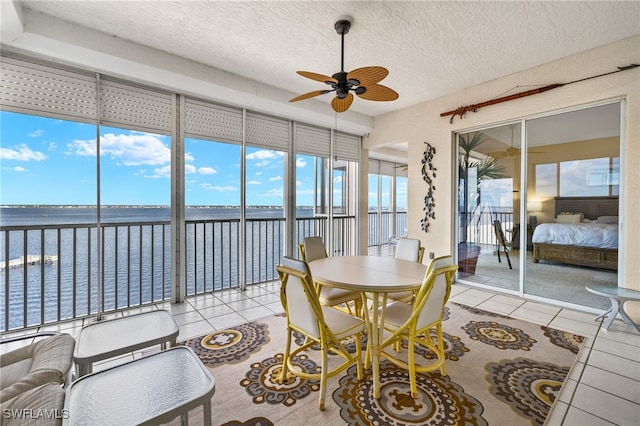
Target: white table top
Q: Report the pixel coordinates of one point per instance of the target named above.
(368, 273)
(154, 389)
(109, 338)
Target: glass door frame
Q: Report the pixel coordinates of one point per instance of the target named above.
(523, 176)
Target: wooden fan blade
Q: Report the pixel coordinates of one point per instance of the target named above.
(368, 75)
(318, 77)
(341, 105)
(378, 92)
(498, 155)
(309, 95)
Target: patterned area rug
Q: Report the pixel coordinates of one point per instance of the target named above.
(500, 371)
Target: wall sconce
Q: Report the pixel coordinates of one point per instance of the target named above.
(534, 207)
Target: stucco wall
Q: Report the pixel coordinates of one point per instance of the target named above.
(422, 123)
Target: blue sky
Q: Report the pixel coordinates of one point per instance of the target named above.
(51, 161)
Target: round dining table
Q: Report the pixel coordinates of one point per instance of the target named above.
(377, 276)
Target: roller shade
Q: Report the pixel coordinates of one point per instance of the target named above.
(133, 107)
(347, 147)
(267, 132)
(43, 90)
(374, 167)
(213, 122)
(387, 168)
(313, 141)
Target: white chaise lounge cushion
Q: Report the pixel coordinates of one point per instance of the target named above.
(44, 361)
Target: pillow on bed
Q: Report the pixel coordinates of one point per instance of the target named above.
(608, 219)
(569, 218)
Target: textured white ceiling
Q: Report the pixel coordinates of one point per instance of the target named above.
(430, 48)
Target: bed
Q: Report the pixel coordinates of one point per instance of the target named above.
(592, 241)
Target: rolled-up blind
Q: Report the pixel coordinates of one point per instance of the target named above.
(212, 122)
(313, 141)
(347, 147)
(267, 132)
(133, 107)
(48, 91)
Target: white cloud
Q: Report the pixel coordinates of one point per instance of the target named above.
(129, 150)
(209, 187)
(275, 178)
(207, 171)
(164, 171)
(36, 133)
(21, 153)
(298, 183)
(263, 154)
(19, 169)
(300, 162)
(258, 173)
(254, 182)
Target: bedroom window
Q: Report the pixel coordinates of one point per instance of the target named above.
(546, 180)
(590, 177)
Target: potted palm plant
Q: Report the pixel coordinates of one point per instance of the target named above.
(478, 170)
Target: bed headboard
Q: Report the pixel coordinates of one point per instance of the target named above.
(591, 207)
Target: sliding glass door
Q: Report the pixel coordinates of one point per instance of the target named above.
(573, 175)
(538, 205)
(489, 170)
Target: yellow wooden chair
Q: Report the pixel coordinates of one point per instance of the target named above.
(313, 248)
(321, 325)
(414, 322)
(407, 249)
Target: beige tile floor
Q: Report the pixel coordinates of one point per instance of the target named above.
(603, 386)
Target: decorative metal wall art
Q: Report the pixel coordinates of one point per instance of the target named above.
(428, 174)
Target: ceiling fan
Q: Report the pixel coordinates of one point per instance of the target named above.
(362, 81)
(511, 151)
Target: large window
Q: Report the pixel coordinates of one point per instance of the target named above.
(161, 206)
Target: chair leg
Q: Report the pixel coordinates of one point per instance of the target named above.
(506, 253)
(287, 351)
(323, 377)
(359, 356)
(412, 366)
(440, 346)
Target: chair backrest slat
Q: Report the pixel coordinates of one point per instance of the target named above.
(313, 248)
(434, 292)
(299, 296)
(408, 249)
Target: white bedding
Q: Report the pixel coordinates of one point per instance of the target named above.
(599, 235)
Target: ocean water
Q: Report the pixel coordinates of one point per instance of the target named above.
(136, 251)
(20, 216)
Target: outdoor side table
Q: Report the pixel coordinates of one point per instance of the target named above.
(147, 391)
(618, 296)
(110, 338)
